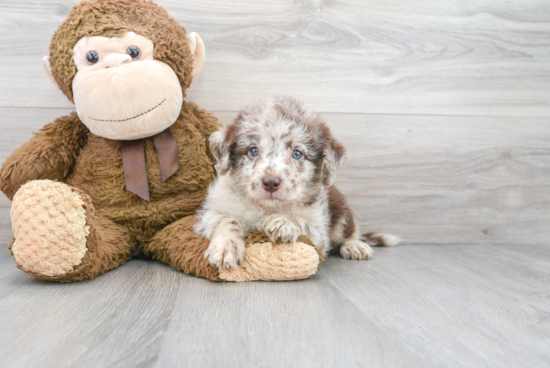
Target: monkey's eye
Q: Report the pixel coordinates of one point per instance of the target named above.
(254, 152)
(92, 57)
(133, 51)
(297, 155)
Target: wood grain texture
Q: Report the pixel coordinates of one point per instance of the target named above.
(443, 108)
(409, 306)
(117, 321)
(429, 179)
(454, 57)
(444, 179)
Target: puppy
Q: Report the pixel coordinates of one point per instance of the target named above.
(276, 164)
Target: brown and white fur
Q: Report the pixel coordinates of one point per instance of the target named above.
(263, 184)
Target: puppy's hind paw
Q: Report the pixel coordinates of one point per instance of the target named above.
(356, 249)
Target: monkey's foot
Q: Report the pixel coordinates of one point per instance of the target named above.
(266, 261)
(49, 224)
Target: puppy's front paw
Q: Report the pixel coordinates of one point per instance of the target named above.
(281, 229)
(225, 252)
(356, 249)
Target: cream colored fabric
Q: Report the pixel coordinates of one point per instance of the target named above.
(265, 261)
(121, 98)
(49, 224)
(48, 69)
(197, 49)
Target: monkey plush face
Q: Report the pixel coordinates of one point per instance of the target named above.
(121, 91)
(125, 65)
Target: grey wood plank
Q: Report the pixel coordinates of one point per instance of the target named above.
(429, 179)
(457, 58)
(292, 324)
(478, 185)
(454, 179)
(442, 317)
(409, 306)
(463, 306)
(11, 279)
(5, 223)
(116, 320)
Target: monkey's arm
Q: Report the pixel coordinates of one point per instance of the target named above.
(206, 122)
(50, 154)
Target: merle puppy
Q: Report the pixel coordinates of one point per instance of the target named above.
(276, 166)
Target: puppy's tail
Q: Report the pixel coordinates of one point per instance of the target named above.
(381, 240)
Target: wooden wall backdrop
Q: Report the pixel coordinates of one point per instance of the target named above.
(444, 106)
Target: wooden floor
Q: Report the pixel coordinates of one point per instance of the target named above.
(444, 108)
(409, 306)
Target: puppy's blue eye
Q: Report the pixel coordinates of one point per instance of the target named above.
(254, 152)
(297, 155)
(92, 57)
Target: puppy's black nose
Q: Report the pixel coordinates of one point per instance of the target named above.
(271, 183)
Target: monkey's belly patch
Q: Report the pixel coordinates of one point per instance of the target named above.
(49, 224)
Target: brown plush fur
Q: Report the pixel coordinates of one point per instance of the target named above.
(110, 18)
(123, 225)
(178, 246)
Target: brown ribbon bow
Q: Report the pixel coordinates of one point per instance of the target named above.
(133, 161)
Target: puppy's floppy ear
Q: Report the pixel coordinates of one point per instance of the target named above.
(333, 156)
(221, 144)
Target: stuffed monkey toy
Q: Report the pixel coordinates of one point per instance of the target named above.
(123, 175)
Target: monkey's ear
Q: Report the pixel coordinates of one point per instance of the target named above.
(221, 144)
(197, 50)
(48, 69)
